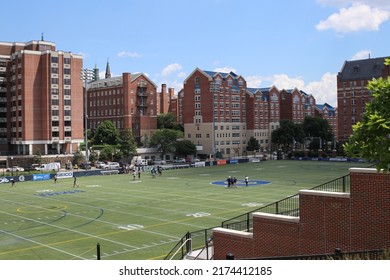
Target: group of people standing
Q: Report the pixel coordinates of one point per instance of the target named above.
(155, 170)
(232, 181)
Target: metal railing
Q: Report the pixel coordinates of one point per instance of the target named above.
(196, 240)
(287, 206)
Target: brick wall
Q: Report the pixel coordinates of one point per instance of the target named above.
(275, 235)
(231, 241)
(370, 215)
(353, 221)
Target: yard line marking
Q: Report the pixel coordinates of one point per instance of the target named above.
(68, 229)
(105, 222)
(40, 245)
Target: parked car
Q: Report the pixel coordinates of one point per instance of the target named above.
(14, 169)
(179, 160)
(159, 162)
(112, 165)
(32, 167)
(85, 165)
(99, 164)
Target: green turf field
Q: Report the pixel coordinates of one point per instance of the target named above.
(140, 219)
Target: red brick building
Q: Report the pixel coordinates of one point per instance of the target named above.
(262, 114)
(296, 104)
(129, 101)
(212, 112)
(41, 99)
(352, 92)
(220, 113)
(329, 113)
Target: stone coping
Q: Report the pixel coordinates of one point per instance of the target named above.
(276, 217)
(365, 170)
(233, 232)
(325, 193)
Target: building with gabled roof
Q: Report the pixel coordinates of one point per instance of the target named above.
(296, 104)
(213, 112)
(352, 92)
(263, 114)
(329, 113)
(128, 101)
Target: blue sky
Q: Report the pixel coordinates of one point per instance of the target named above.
(301, 43)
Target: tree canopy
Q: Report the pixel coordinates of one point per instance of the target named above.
(167, 120)
(287, 134)
(106, 133)
(164, 140)
(127, 145)
(317, 127)
(185, 148)
(253, 144)
(370, 138)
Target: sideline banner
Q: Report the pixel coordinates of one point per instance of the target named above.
(64, 174)
(41, 177)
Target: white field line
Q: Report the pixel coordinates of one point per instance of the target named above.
(68, 229)
(41, 244)
(89, 219)
(51, 198)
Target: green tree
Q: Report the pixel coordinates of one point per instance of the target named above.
(37, 157)
(167, 120)
(185, 148)
(253, 145)
(109, 152)
(106, 133)
(370, 138)
(78, 158)
(127, 145)
(287, 134)
(319, 128)
(164, 140)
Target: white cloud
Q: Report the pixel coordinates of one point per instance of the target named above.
(281, 81)
(355, 18)
(385, 4)
(225, 70)
(129, 54)
(168, 70)
(324, 91)
(363, 54)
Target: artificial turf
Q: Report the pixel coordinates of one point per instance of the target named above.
(143, 218)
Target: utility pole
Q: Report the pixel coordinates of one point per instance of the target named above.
(86, 75)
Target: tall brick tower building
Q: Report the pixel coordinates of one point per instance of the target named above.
(41, 99)
(128, 101)
(352, 93)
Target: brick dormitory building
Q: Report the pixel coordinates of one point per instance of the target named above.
(352, 92)
(41, 99)
(220, 113)
(130, 101)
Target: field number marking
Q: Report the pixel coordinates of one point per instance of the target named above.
(131, 227)
(198, 215)
(252, 204)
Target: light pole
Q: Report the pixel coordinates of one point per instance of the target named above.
(86, 75)
(12, 168)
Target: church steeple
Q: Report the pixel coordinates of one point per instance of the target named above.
(108, 72)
